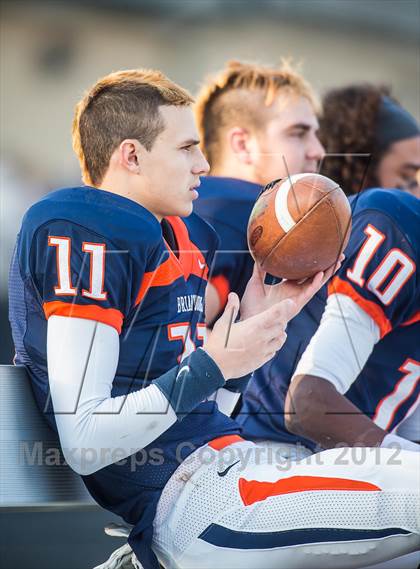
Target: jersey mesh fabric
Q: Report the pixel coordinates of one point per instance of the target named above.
(17, 310)
(23, 298)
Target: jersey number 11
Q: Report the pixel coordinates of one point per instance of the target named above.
(96, 253)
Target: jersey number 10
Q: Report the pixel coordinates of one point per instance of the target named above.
(396, 261)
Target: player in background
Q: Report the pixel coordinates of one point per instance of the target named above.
(106, 301)
(376, 139)
(362, 366)
(373, 307)
(378, 395)
(256, 123)
(262, 415)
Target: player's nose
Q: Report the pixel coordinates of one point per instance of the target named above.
(201, 166)
(316, 149)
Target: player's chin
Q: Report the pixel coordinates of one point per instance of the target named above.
(184, 210)
(311, 168)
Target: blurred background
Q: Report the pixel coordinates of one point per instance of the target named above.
(50, 51)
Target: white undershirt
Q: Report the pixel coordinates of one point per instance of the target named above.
(341, 346)
(96, 429)
(339, 350)
(226, 400)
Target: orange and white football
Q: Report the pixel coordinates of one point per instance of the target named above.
(299, 226)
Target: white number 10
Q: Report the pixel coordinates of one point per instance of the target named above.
(97, 268)
(396, 261)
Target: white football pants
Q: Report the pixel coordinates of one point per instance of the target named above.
(229, 506)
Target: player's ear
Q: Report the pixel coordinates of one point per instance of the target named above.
(129, 155)
(239, 140)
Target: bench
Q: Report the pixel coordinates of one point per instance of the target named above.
(32, 469)
(35, 478)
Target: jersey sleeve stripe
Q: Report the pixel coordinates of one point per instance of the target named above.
(110, 316)
(339, 286)
(253, 491)
(221, 284)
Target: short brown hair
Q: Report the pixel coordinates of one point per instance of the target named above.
(226, 99)
(348, 126)
(121, 105)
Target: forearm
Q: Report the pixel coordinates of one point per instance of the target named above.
(316, 410)
(316, 405)
(96, 429)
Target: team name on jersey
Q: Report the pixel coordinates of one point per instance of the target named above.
(190, 302)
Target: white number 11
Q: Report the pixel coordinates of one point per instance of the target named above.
(97, 268)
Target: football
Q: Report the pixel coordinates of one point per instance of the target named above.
(299, 226)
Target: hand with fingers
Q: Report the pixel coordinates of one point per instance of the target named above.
(259, 296)
(239, 348)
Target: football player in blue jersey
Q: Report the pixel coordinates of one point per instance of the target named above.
(391, 134)
(362, 366)
(373, 392)
(382, 396)
(106, 302)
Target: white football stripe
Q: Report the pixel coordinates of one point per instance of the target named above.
(283, 215)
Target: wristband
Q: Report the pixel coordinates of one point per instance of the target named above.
(196, 378)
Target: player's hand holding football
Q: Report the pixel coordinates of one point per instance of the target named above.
(259, 296)
(238, 348)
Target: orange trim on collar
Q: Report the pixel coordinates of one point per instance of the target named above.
(184, 244)
(165, 274)
(191, 258)
(191, 262)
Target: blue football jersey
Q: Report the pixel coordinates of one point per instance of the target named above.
(226, 203)
(92, 254)
(380, 274)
